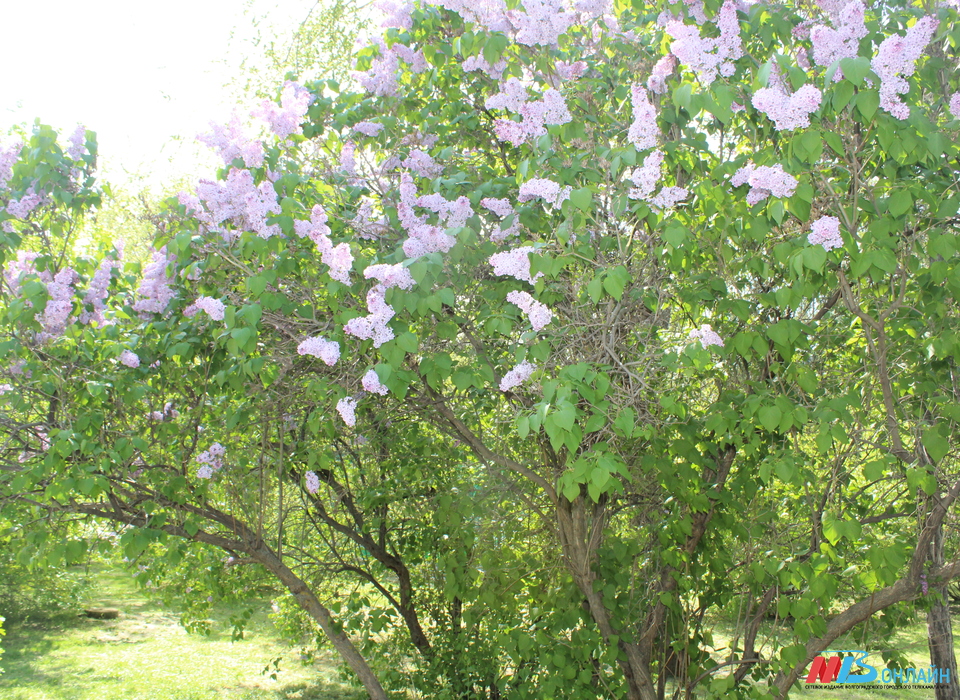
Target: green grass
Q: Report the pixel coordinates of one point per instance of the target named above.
(147, 655)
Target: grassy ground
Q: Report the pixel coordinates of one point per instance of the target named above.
(146, 655)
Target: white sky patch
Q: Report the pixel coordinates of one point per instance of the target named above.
(146, 76)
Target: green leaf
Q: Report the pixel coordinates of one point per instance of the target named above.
(770, 417)
(582, 199)
(867, 103)
(900, 202)
(855, 69)
(565, 415)
(935, 444)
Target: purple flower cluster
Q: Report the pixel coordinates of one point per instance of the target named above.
(764, 181)
(326, 350)
(368, 128)
(56, 314)
(78, 143)
(373, 326)
(517, 376)
(645, 180)
(390, 275)
(8, 156)
(536, 115)
(348, 163)
(371, 382)
(285, 119)
(424, 237)
(514, 263)
(570, 71)
(422, 164)
(788, 112)
(214, 308)
(232, 142)
(237, 200)
(382, 77)
(398, 14)
(708, 56)
(657, 82)
(129, 359)
(706, 336)
(544, 189)
(503, 209)
(643, 132)
(312, 482)
(212, 461)
(825, 231)
(541, 22)
(97, 292)
(155, 289)
(347, 407)
(538, 314)
(494, 70)
(21, 208)
(955, 105)
(896, 60)
(489, 14)
(830, 45)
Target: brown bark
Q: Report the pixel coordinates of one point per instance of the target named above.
(939, 627)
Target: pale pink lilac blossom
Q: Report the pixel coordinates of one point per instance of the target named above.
(56, 313)
(896, 60)
(833, 44)
(78, 143)
(541, 22)
(390, 275)
(825, 231)
(514, 263)
(97, 292)
(231, 141)
(8, 156)
(764, 181)
(704, 55)
(214, 308)
(544, 189)
(240, 201)
(955, 105)
(517, 376)
(643, 132)
(371, 382)
(21, 208)
(311, 482)
(285, 119)
(663, 69)
(368, 128)
(373, 326)
(326, 350)
(788, 112)
(155, 288)
(706, 336)
(347, 407)
(130, 359)
(537, 313)
(494, 70)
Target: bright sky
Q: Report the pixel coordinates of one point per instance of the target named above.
(138, 72)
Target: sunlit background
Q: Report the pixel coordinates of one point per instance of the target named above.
(146, 76)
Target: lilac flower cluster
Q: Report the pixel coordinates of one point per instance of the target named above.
(424, 237)
(347, 407)
(390, 275)
(285, 119)
(517, 376)
(212, 461)
(896, 60)
(955, 105)
(788, 112)
(21, 208)
(214, 308)
(536, 115)
(366, 223)
(348, 163)
(129, 359)
(422, 164)
(398, 14)
(312, 482)
(541, 22)
(168, 412)
(489, 14)
(764, 181)
(237, 200)
(547, 190)
(708, 56)
(8, 156)
(373, 326)
(494, 70)
(570, 71)
(371, 382)
(645, 180)
(381, 78)
(643, 132)
(326, 350)
(155, 288)
(706, 336)
(97, 292)
(57, 312)
(368, 128)
(657, 82)
(232, 142)
(503, 209)
(830, 45)
(825, 231)
(78, 143)
(17, 270)
(514, 263)
(538, 314)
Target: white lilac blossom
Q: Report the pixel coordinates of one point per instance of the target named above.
(643, 132)
(371, 382)
(494, 70)
(547, 190)
(373, 326)
(537, 313)
(312, 482)
(285, 119)
(326, 350)
(708, 56)
(368, 128)
(517, 376)
(831, 44)
(706, 336)
(390, 275)
(825, 231)
(657, 81)
(8, 156)
(238, 200)
(212, 461)
(232, 142)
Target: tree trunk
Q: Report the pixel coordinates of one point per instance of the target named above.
(311, 604)
(940, 629)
